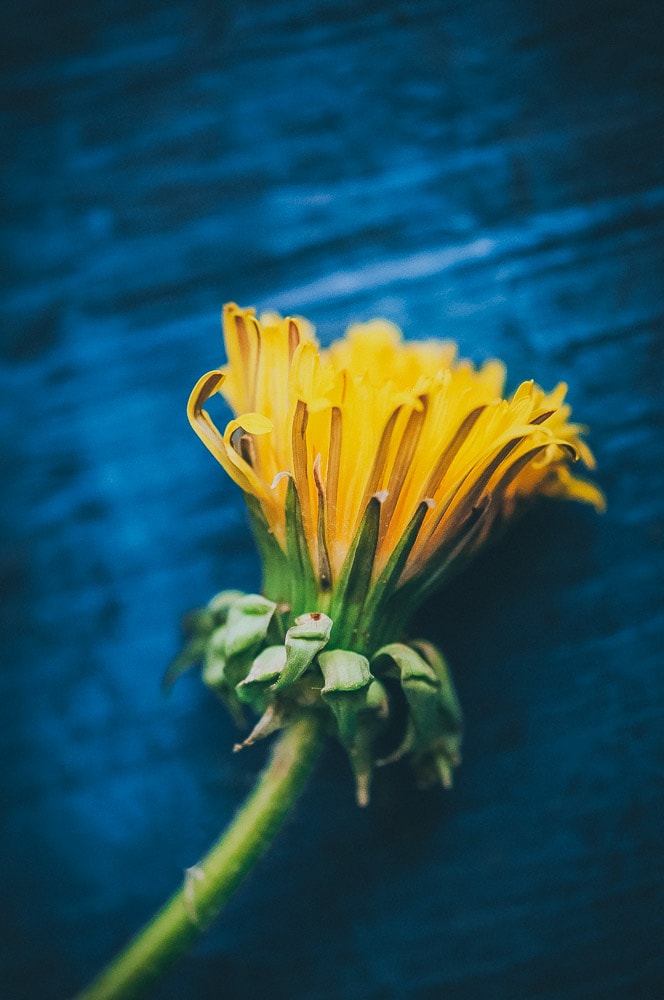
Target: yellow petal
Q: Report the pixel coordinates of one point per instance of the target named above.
(373, 415)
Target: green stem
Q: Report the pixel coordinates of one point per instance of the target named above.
(210, 883)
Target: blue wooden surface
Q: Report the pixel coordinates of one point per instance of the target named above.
(491, 171)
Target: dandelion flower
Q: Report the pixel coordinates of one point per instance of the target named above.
(373, 471)
(323, 438)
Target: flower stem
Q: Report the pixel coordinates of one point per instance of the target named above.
(210, 883)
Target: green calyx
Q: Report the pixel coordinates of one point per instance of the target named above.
(398, 702)
(366, 603)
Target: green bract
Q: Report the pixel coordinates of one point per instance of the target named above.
(401, 700)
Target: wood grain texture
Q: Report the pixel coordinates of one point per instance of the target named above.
(488, 171)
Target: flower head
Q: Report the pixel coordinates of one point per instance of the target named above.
(373, 471)
(409, 428)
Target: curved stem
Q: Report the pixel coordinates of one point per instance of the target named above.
(209, 884)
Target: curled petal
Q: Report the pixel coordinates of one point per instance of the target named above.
(366, 431)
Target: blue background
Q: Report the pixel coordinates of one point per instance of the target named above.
(490, 171)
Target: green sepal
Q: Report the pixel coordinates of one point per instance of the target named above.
(420, 686)
(247, 624)
(388, 579)
(451, 558)
(354, 581)
(344, 670)
(200, 625)
(358, 701)
(215, 673)
(265, 670)
(276, 571)
(219, 606)
(270, 721)
(215, 659)
(449, 701)
(301, 570)
(304, 640)
(232, 646)
(346, 707)
(435, 716)
(346, 675)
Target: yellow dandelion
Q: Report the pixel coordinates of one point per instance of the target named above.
(397, 458)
